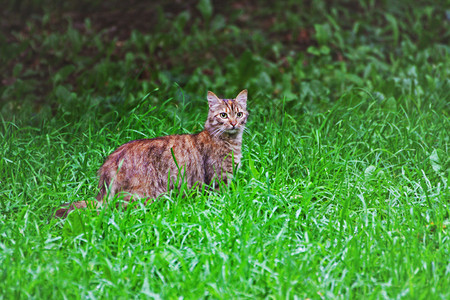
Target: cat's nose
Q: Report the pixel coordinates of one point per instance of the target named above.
(233, 123)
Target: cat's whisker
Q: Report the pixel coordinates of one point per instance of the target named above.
(212, 132)
(217, 132)
(246, 130)
(220, 131)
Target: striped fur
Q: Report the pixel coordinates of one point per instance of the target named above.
(146, 168)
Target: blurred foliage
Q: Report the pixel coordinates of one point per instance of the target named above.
(73, 58)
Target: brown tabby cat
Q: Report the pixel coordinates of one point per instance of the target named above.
(142, 168)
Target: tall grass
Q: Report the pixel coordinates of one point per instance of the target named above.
(348, 202)
(343, 190)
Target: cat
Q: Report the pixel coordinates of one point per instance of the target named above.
(148, 168)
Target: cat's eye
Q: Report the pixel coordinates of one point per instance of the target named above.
(223, 115)
(239, 114)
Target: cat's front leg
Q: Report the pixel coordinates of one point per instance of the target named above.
(221, 179)
(227, 177)
(216, 181)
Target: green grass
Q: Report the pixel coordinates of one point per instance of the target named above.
(343, 190)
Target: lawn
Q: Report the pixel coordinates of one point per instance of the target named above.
(343, 191)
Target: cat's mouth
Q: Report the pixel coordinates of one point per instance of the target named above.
(232, 131)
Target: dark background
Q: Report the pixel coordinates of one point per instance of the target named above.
(55, 53)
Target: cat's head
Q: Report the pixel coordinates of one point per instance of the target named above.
(227, 116)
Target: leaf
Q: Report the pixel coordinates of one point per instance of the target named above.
(324, 50)
(63, 73)
(205, 8)
(435, 161)
(62, 93)
(391, 104)
(369, 172)
(248, 66)
(313, 50)
(218, 22)
(74, 225)
(251, 164)
(322, 34)
(393, 22)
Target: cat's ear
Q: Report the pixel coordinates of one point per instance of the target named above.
(213, 100)
(241, 99)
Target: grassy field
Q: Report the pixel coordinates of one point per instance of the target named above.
(343, 191)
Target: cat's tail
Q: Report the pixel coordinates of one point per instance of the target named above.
(66, 208)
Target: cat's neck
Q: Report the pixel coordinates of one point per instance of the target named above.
(231, 140)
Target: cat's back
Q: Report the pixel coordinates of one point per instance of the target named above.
(155, 151)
